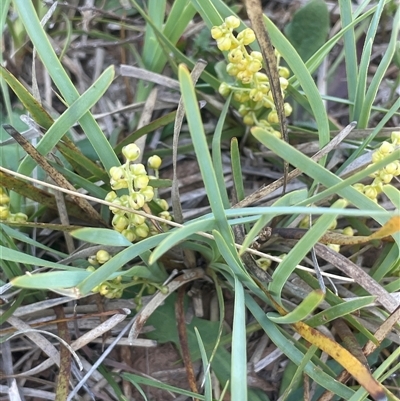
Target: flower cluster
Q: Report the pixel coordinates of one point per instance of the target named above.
(384, 175)
(252, 88)
(114, 288)
(134, 177)
(5, 213)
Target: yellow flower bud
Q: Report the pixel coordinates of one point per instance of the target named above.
(257, 56)
(232, 22)
(254, 66)
(216, 32)
(232, 69)
(377, 156)
(142, 231)
(224, 89)
(224, 43)
(20, 217)
(370, 192)
(245, 76)
(154, 162)
(277, 134)
(129, 235)
(284, 83)
(334, 247)
(119, 222)
(162, 203)
(4, 212)
(117, 173)
(4, 199)
(137, 169)
(248, 119)
(247, 36)
(273, 117)
(391, 168)
(165, 215)
(256, 95)
(141, 181)
(348, 231)
(120, 184)
(284, 72)
(386, 148)
(264, 263)
(395, 137)
(131, 152)
(359, 187)
(288, 109)
(137, 219)
(111, 196)
(104, 289)
(386, 178)
(93, 261)
(235, 56)
(103, 256)
(136, 200)
(147, 193)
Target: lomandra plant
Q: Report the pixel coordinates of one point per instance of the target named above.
(131, 237)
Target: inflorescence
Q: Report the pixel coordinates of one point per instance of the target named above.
(251, 89)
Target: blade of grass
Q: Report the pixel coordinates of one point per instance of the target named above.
(294, 354)
(46, 52)
(207, 375)
(300, 250)
(216, 153)
(201, 148)
(74, 113)
(350, 51)
(239, 344)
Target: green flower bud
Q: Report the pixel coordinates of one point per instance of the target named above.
(154, 162)
(131, 152)
(119, 222)
(111, 196)
(142, 231)
(224, 89)
(284, 72)
(129, 235)
(93, 261)
(90, 269)
(162, 203)
(165, 215)
(348, 231)
(248, 119)
(264, 263)
(20, 217)
(136, 200)
(137, 219)
(103, 256)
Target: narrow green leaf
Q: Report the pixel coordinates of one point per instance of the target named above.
(239, 344)
(180, 234)
(51, 280)
(116, 262)
(201, 148)
(340, 310)
(207, 375)
(101, 236)
(306, 306)
(38, 36)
